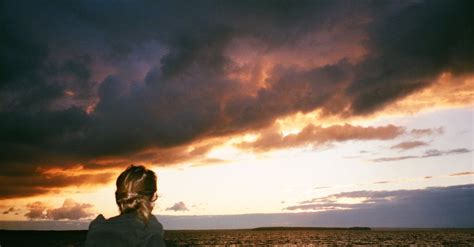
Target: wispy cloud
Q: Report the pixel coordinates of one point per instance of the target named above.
(409, 145)
(436, 152)
(427, 132)
(12, 210)
(462, 174)
(426, 154)
(321, 187)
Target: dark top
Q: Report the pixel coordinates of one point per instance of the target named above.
(125, 230)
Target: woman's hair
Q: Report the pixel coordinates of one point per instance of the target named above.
(136, 188)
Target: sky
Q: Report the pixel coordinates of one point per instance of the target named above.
(252, 113)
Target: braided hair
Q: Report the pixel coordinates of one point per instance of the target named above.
(136, 189)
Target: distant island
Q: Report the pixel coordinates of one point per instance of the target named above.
(284, 228)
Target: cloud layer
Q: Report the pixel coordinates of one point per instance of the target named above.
(90, 82)
(430, 207)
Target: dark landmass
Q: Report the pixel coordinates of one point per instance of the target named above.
(42, 238)
(278, 228)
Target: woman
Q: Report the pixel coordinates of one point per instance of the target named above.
(135, 226)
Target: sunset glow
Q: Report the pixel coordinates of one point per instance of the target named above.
(265, 107)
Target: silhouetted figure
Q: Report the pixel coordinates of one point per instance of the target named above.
(135, 226)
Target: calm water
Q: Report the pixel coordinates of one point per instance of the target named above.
(322, 238)
(261, 238)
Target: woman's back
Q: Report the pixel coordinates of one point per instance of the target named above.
(135, 226)
(125, 230)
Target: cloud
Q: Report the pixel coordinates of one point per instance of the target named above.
(427, 132)
(462, 174)
(12, 210)
(321, 187)
(377, 200)
(409, 145)
(436, 152)
(396, 38)
(209, 162)
(382, 182)
(179, 206)
(395, 158)
(70, 210)
(34, 184)
(317, 135)
(36, 210)
(139, 77)
(446, 92)
(426, 154)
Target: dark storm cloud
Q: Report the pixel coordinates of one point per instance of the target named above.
(89, 80)
(427, 154)
(409, 47)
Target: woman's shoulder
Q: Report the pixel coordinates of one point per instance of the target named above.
(99, 220)
(155, 233)
(103, 233)
(155, 226)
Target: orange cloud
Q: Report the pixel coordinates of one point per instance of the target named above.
(317, 135)
(42, 183)
(447, 91)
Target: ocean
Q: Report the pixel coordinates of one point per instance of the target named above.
(374, 237)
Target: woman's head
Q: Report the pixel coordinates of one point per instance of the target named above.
(136, 191)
